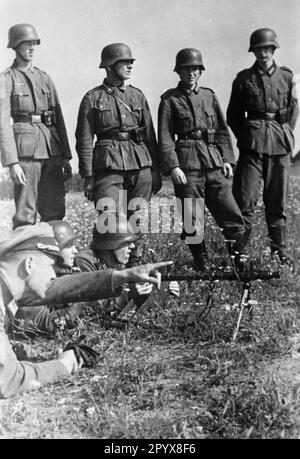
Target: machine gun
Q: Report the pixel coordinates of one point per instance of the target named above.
(246, 276)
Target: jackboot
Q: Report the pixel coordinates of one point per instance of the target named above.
(277, 236)
(200, 256)
(236, 249)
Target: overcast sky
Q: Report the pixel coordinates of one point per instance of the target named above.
(73, 32)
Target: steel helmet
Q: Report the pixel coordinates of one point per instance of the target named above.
(63, 233)
(263, 37)
(113, 53)
(21, 32)
(188, 57)
(113, 240)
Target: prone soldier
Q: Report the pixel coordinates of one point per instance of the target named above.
(108, 250)
(124, 156)
(195, 149)
(262, 114)
(35, 147)
(26, 274)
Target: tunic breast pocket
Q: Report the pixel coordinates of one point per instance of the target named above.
(183, 120)
(137, 112)
(21, 101)
(102, 115)
(283, 97)
(46, 97)
(253, 97)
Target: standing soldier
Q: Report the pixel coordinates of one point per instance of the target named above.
(124, 156)
(195, 148)
(262, 114)
(35, 147)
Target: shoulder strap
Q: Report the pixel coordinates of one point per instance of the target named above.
(109, 91)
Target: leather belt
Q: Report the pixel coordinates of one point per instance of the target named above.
(114, 136)
(26, 118)
(197, 134)
(262, 116)
(138, 135)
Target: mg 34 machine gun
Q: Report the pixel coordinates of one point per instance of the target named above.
(245, 276)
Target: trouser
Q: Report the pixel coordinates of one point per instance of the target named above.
(274, 170)
(212, 187)
(126, 192)
(44, 192)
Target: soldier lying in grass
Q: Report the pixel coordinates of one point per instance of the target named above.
(27, 259)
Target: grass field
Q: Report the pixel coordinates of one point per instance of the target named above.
(174, 374)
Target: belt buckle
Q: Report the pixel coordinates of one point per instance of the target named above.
(36, 118)
(197, 134)
(122, 136)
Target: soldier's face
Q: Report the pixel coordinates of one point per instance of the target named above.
(68, 255)
(123, 69)
(26, 50)
(40, 273)
(264, 54)
(189, 75)
(122, 254)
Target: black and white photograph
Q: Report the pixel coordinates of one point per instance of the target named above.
(150, 222)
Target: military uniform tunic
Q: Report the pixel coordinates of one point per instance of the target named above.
(116, 164)
(15, 376)
(182, 111)
(262, 114)
(46, 318)
(38, 148)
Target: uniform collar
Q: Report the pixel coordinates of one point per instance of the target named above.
(268, 72)
(188, 91)
(29, 69)
(112, 87)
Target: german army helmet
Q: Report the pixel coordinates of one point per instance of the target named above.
(63, 233)
(263, 37)
(21, 32)
(188, 57)
(113, 240)
(115, 52)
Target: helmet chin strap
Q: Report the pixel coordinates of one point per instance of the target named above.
(20, 58)
(113, 76)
